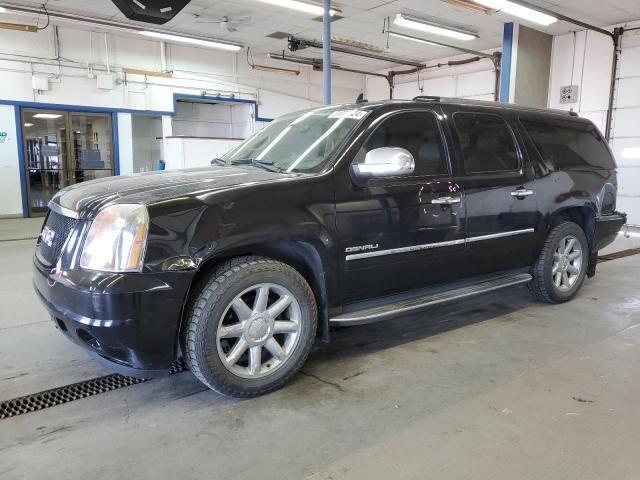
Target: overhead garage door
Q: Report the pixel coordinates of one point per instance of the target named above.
(478, 85)
(626, 128)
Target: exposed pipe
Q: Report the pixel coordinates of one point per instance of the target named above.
(106, 50)
(317, 64)
(326, 52)
(296, 43)
(495, 57)
(441, 44)
(564, 18)
(617, 34)
(163, 56)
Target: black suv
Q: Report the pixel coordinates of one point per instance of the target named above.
(340, 215)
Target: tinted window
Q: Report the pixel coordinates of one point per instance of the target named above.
(487, 143)
(417, 132)
(567, 145)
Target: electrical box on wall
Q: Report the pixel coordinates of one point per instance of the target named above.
(40, 82)
(105, 81)
(569, 94)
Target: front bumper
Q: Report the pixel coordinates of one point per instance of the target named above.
(127, 321)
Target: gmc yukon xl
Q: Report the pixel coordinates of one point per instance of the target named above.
(340, 215)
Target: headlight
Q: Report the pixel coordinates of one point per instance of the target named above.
(116, 239)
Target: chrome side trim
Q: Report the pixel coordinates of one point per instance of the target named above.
(500, 235)
(63, 211)
(428, 246)
(413, 248)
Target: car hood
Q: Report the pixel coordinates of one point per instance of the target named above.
(88, 197)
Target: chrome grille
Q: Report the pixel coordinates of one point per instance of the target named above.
(54, 234)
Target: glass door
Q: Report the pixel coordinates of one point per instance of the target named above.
(62, 148)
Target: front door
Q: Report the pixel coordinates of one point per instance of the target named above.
(401, 233)
(500, 190)
(62, 148)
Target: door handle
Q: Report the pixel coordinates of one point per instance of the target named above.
(446, 200)
(522, 192)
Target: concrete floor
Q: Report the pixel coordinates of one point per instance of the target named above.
(496, 387)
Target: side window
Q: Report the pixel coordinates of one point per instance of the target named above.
(486, 142)
(417, 132)
(567, 144)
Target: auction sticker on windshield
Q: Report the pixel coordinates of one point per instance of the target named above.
(355, 114)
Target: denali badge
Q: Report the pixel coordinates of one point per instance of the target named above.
(47, 236)
(361, 248)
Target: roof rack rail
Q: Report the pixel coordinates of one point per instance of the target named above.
(426, 98)
(488, 103)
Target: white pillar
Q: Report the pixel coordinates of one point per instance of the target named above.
(125, 143)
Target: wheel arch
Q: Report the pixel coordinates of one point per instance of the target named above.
(585, 217)
(304, 256)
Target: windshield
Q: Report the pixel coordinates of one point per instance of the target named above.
(300, 142)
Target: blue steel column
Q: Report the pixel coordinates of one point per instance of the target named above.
(326, 53)
(507, 54)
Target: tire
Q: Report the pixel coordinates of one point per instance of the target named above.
(552, 264)
(232, 312)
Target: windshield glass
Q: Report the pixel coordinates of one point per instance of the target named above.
(300, 142)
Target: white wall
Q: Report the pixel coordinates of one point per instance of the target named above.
(195, 70)
(82, 54)
(475, 81)
(146, 146)
(584, 59)
(230, 120)
(10, 194)
(125, 143)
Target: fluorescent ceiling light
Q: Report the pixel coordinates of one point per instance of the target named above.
(413, 39)
(517, 10)
(421, 25)
(267, 68)
(631, 153)
(192, 41)
(305, 7)
(47, 115)
(28, 124)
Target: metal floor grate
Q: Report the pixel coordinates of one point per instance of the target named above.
(69, 393)
(617, 255)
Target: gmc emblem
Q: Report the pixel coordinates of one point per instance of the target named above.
(47, 236)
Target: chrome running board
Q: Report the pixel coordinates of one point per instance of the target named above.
(390, 307)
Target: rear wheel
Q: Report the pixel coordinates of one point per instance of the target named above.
(251, 327)
(561, 268)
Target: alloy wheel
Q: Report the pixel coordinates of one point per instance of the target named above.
(567, 263)
(259, 330)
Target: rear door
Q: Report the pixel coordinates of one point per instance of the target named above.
(500, 190)
(401, 233)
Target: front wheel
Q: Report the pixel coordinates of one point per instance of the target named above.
(562, 266)
(251, 327)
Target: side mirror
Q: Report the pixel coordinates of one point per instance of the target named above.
(385, 162)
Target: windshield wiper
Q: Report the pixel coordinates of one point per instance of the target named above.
(218, 161)
(264, 164)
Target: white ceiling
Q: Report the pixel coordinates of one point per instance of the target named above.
(363, 21)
